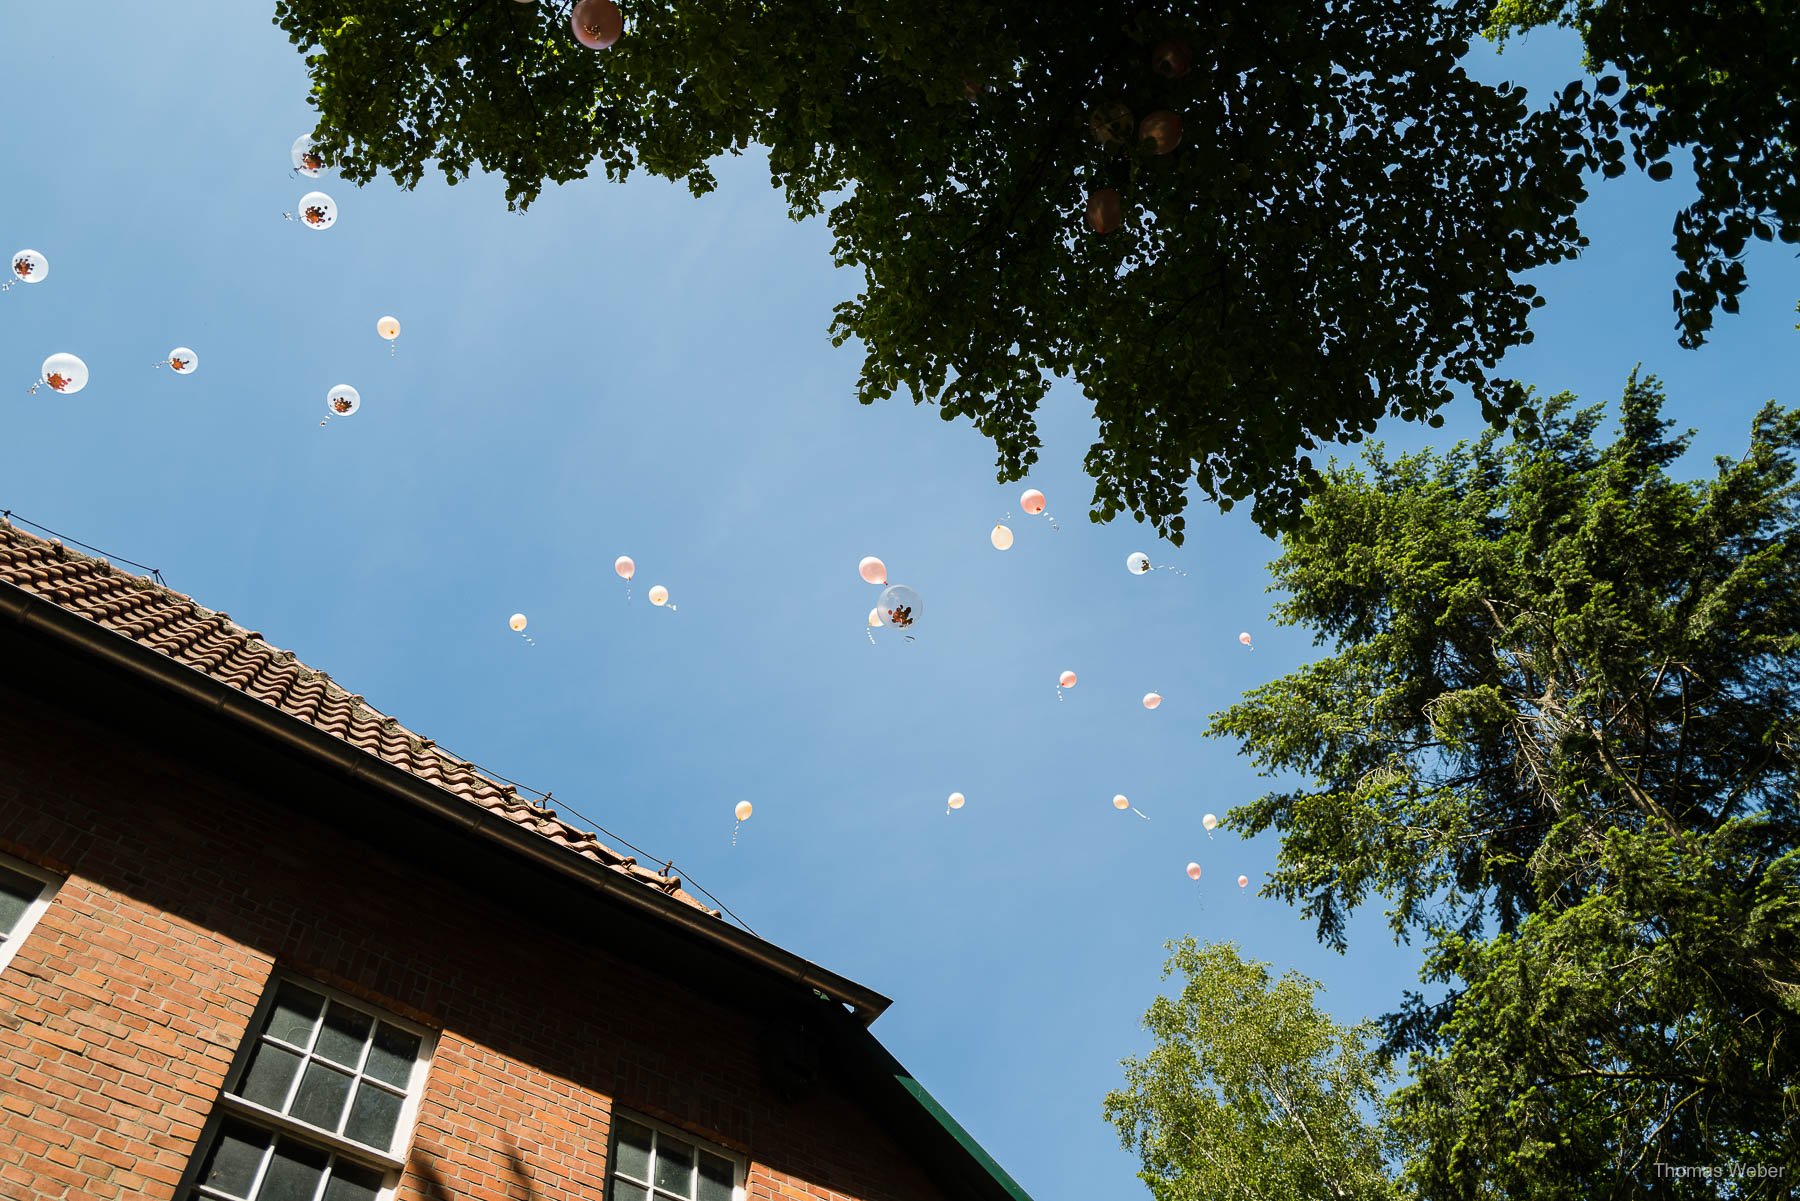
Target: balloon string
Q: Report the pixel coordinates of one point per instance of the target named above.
(871, 633)
(1169, 567)
(1140, 813)
(1059, 692)
(526, 637)
(734, 832)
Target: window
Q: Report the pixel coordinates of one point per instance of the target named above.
(25, 893)
(319, 1105)
(653, 1162)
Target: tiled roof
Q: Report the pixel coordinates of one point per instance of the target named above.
(141, 609)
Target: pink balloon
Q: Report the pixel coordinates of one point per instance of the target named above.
(1193, 871)
(1032, 501)
(873, 570)
(1244, 638)
(624, 566)
(1152, 699)
(1067, 679)
(597, 23)
(1243, 881)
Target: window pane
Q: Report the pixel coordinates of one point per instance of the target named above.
(17, 892)
(715, 1178)
(271, 1071)
(293, 1173)
(632, 1151)
(373, 1117)
(624, 1190)
(393, 1056)
(674, 1166)
(351, 1183)
(236, 1154)
(322, 1096)
(345, 1033)
(295, 1013)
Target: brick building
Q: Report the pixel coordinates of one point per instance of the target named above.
(259, 941)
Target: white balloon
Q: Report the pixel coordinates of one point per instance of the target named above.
(516, 621)
(64, 373)
(743, 811)
(956, 800)
(343, 400)
(1121, 802)
(1002, 538)
(659, 595)
(1152, 699)
(307, 161)
(318, 211)
(899, 607)
(28, 266)
(874, 617)
(183, 361)
(1137, 562)
(388, 328)
(1210, 821)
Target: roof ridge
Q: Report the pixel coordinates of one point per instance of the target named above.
(71, 584)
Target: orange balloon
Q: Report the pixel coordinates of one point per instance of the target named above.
(1171, 59)
(1162, 129)
(1104, 211)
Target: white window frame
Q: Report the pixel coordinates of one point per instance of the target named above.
(391, 1162)
(15, 938)
(740, 1167)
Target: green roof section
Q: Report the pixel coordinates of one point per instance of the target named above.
(980, 1171)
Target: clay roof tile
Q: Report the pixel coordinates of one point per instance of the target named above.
(140, 609)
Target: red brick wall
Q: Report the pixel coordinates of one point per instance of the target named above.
(121, 1013)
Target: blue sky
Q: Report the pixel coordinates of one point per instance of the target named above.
(628, 370)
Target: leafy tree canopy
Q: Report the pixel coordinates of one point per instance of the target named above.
(1251, 1093)
(1337, 236)
(1719, 77)
(1560, 733)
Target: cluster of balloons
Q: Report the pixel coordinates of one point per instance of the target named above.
(1031, 501)
(319, 211)
(62, 372)
(898, 607)
(1211, 822)
(316, 209)
(625, 569)
(1111, 124)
